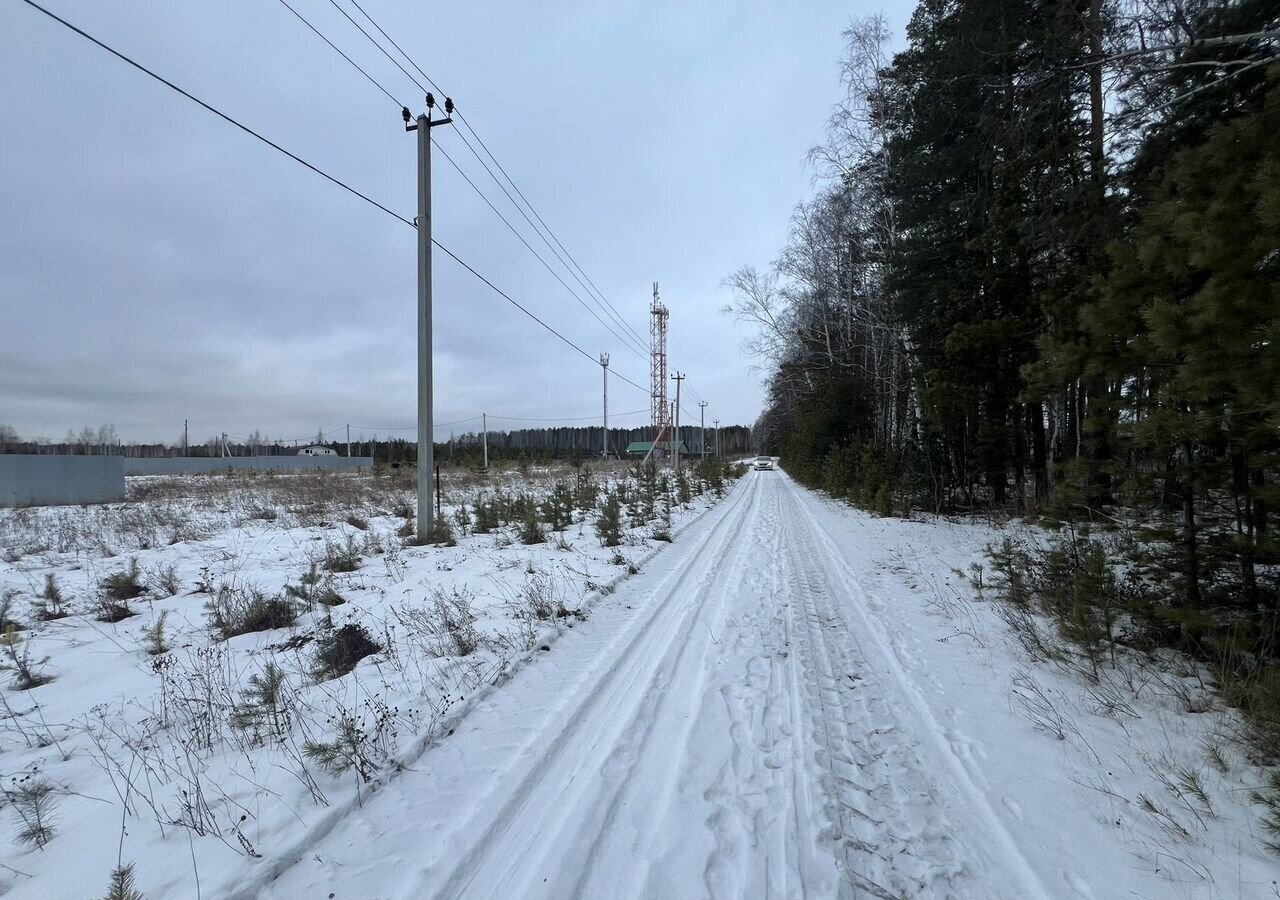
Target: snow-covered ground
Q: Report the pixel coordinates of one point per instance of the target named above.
(160, 759)
(793, 700)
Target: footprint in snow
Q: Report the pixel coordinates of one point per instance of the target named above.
(1014, 808)
(1078, 884)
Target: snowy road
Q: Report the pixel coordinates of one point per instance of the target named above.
(731, 723)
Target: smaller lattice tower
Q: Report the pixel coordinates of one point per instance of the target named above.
(658, 370)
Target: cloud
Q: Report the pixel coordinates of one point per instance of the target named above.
(159, 265)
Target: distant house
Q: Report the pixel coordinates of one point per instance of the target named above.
(317, 450)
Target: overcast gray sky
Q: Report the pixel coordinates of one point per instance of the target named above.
(159, 265)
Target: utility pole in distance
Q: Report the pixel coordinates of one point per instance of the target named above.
(348, 442)
(702, 429)
(677, 378)
(604, 367)
(484, 427)
(716, 435)
(426, 452)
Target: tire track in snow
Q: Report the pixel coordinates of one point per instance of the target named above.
(996, 864)
(885, 823)
(510, 852)
(644, 798)
(767, 843)
(433, 817)
(714, 730)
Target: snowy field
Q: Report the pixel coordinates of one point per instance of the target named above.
(794, 699)
(203, 702)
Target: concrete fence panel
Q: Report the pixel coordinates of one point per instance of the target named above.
(196, 465)
(47, 480)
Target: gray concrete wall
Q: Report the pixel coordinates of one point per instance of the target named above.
(194, 465)
(48, 480)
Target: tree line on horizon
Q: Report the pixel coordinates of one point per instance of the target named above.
(467, 448)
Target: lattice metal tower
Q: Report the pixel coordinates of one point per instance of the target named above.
(658, 369)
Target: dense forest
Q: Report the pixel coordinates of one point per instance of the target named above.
(1041, 274)
(560, 442)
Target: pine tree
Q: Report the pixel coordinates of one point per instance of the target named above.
(1195, 300)
(122, 885)
(609, 525)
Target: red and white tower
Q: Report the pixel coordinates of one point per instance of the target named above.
(658, 370)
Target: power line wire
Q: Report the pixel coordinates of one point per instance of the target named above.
(373, 41)
(611, 309)
(493, 416)
(504, 295)
(372, 80)
(626, 341)
(373, 428)
(272, 144)
(217, 112)
(618, 316)
(593, 418)
(397, 46)
(525, 216)
(538, 256)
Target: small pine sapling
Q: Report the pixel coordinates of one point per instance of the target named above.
(684, 493)
(530, 528)
(463, 518)
(307, 589)
(7, 613)
(164, 581)
(557, 509)
(125, 584)
(342, 558)
(349, 749)
(49, 603)
(442, 533)
(122, 885)
(609, 525)
(662, 530)
(115, 592)
(34, 803)
(487, 518)
(153, 636)
(587, 490)
(17, 658)
(265, 706)
(649, 487)
(1268, 797)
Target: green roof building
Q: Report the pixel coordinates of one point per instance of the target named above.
(640, 448)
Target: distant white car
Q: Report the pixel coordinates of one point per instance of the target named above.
(762, 463)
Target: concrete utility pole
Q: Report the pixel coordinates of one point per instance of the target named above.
(702, 429)
(426, 452)
(716, 436)
(184, 438)
(484, 427)
(604, 368)
(677, 378)
(348, 442)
